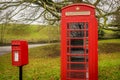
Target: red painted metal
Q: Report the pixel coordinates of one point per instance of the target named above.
(19, 52)
(79, 56)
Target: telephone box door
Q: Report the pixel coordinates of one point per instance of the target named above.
(77, 50)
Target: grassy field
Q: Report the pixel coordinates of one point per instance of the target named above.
(31, 33)
(109, 59)
(37, 33)
(110, 34)
(44, 63)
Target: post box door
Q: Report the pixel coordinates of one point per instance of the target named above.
(77, 50)
(16, 54)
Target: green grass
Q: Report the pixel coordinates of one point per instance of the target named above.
(31, 33)
(109, 41)
(109, 34)
(109, 66)
(44, 63)
(109, 59)
(109, 46)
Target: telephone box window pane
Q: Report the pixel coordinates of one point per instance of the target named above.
(86, 51)
(77, 75)
(77, 50)
(77, 66)
(76, 25)
(86, 25)
(77, 59)
(86, 33)
(86, 42)
(77, 34)
(76, 42)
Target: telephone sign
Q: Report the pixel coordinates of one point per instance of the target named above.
(19, 52)
(79, 56)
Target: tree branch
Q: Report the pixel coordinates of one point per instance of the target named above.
(97, 2)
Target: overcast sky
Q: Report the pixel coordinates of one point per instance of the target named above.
(28, 11)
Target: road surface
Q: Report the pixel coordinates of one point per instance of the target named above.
(7, 49)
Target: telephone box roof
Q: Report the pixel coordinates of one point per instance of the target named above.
(82, 4)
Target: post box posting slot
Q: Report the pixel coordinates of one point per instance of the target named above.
(19, 52)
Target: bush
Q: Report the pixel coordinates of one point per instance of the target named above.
(101, 33)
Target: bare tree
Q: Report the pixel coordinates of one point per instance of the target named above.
(3, 26)
(50, 9)
(116, 21)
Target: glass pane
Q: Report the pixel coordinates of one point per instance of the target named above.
(77, 66)
(86, 25)
(86, 42)
(77, 34)
(76, 25)
(86, 51)
(77, 75)
(86, 33)
(77, 59)
(77, 51)
(77, 42)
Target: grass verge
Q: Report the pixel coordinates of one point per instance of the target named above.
(44, 63)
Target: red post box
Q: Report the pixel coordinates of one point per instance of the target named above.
(79, 56)
(19, 52)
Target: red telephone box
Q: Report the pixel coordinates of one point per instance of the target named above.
(19, 52)
(79, 56)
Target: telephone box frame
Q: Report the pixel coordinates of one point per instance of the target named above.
(80, 13)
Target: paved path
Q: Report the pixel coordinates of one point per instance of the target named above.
(6, 49)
